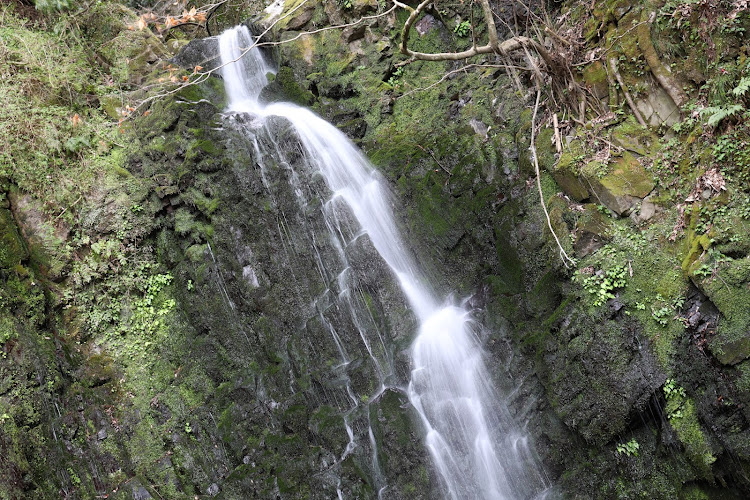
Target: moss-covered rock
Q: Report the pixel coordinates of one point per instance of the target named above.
(47, 237)
(595, 77)
(567, 172)
(727, 289)
(623, 186)
(12, 248)
(593, 230)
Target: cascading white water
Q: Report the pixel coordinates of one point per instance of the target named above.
(470, 436)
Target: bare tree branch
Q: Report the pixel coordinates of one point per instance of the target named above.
(494, 46)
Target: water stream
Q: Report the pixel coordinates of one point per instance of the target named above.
(476, 447)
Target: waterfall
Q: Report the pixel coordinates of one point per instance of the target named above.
(476, 448)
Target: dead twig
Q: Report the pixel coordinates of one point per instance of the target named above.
(558, 141)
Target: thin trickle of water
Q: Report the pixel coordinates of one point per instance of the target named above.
(474, 443)
(220, 281)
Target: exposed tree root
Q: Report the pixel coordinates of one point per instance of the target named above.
(613, 67)
(563, 254)
(660, 72)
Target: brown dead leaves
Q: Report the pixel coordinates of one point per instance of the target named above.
(166, 22)
(709, 184)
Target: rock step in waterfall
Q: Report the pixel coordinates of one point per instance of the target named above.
(476, 448)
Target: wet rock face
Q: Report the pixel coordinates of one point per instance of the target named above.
(306, 321)
(701, 318)
(599, 376)
(199, 52)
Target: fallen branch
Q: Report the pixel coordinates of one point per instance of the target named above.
(558, 141)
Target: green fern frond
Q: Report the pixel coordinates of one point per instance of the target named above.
(742, 87)
(717, 113)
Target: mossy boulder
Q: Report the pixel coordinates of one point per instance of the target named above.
(567, 172)
(595, 78)
(728, 290)
(632, 137)
(623, 186)
(202, 52)
(596, 373)
(593, 230)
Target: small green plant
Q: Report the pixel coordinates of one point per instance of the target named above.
(718, 113)
(630, 448)
(395, 78)
(346, 4)
(74, 477)
(671, 389)
(602, 284)
(675, 396)
(704, 271)
(146, 315)
(188, 429)
(603, 210)
(712, 261)
(462, 29)
(661, 315)
(742, 87)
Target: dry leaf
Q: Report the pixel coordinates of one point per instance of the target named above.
(189, 15)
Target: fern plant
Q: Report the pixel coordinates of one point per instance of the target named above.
(50, 6)
(718, 113)
(742, 87)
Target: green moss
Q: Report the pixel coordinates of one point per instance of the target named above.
(509, 281)
(727, 289)
(691, 435)
(292, 90)
(626, 177)
(697, 244)
(567, 171)
(595, 77)
(545, 149)
(290, 13)
(634, 138)
(545, 296)
(12, 248)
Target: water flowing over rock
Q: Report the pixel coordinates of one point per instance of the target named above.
(476, 447)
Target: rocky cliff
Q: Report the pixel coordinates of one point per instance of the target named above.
(165, 335)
